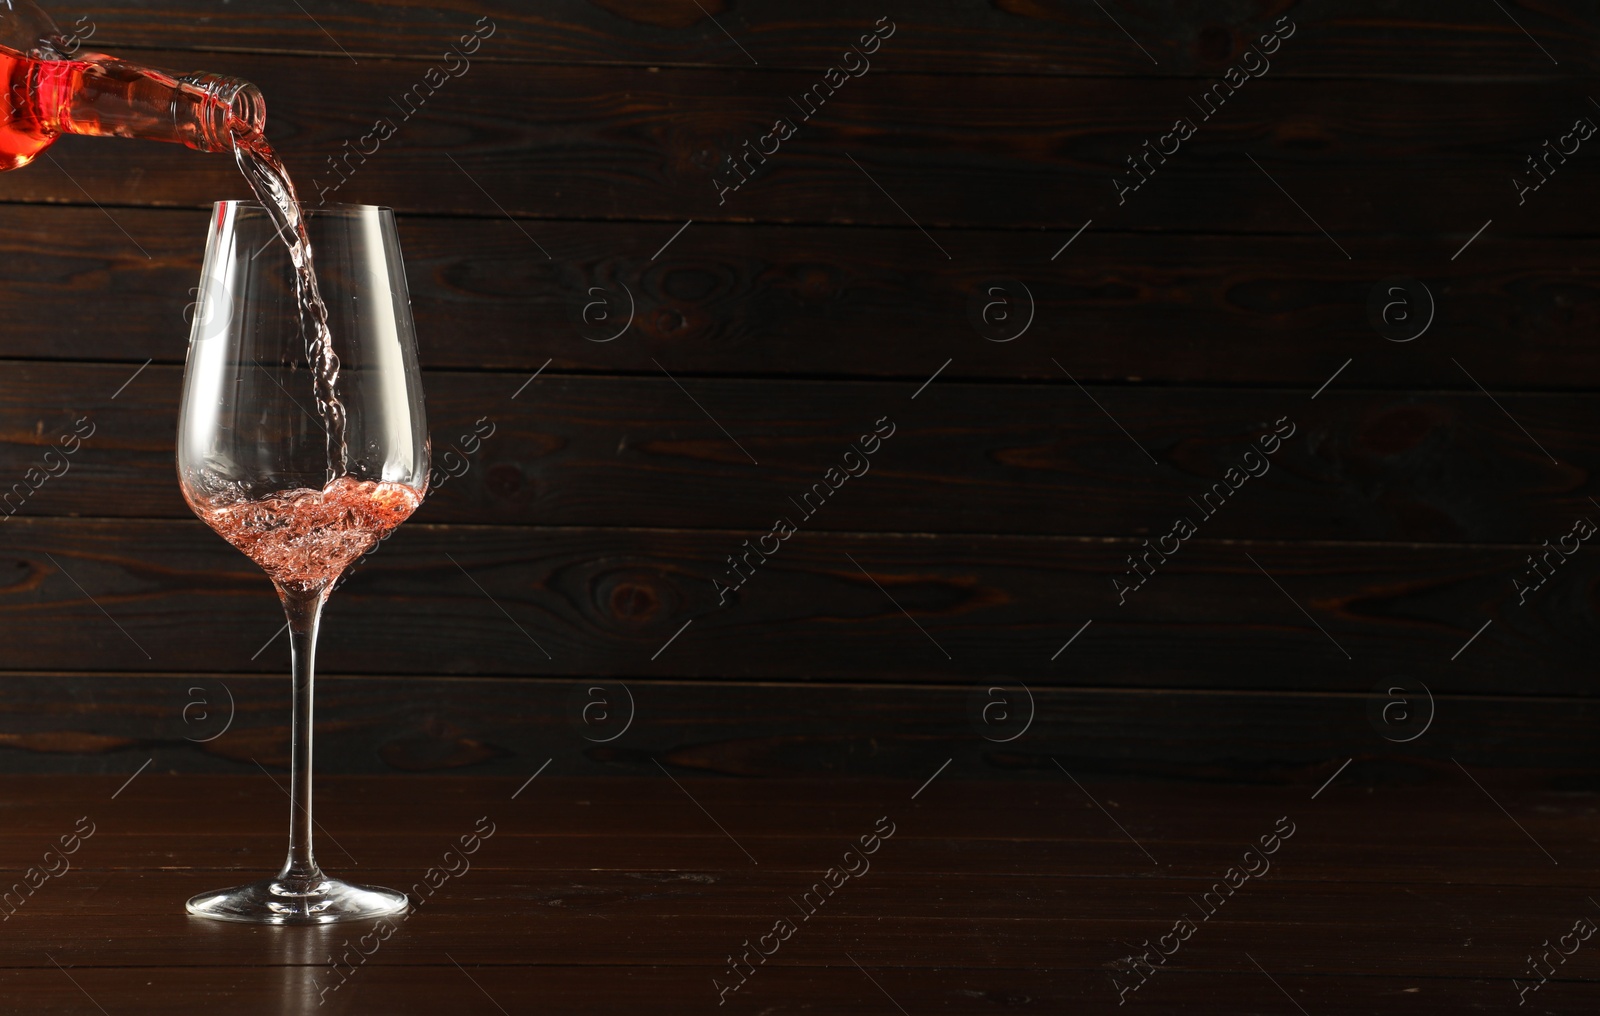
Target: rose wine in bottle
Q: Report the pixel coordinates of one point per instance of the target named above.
(47, 93)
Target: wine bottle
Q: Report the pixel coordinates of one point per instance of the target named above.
(48, 93)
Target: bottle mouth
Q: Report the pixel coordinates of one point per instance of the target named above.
(231, 107)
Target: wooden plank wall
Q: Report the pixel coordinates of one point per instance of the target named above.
(543, 195)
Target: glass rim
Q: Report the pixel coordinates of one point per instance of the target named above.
(332, 208)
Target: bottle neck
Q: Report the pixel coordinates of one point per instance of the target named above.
(107, 97)
(221, 108)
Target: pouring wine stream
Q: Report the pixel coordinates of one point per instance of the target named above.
(270, 181)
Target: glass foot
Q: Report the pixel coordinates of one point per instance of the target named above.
(321, 900)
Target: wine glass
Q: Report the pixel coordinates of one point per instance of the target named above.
(303, 461)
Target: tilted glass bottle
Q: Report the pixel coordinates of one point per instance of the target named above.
(48, 92)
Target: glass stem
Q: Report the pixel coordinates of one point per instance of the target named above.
(304, 611)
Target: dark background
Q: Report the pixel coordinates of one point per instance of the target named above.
(808, 305)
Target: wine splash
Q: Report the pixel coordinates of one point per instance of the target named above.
(305, 539)
(273, 188)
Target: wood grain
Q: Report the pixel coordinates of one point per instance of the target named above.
(654, 896)
(609, 601)
(629, 143)
(1023, 922)
(617, 724)
(634, 828)
(744, 300)
(1069, 766)
(961, 457)
(840, 988)
(958, 36)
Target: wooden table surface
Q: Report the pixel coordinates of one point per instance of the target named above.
(624, 894)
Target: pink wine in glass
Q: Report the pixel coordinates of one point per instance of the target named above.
(304, 539)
